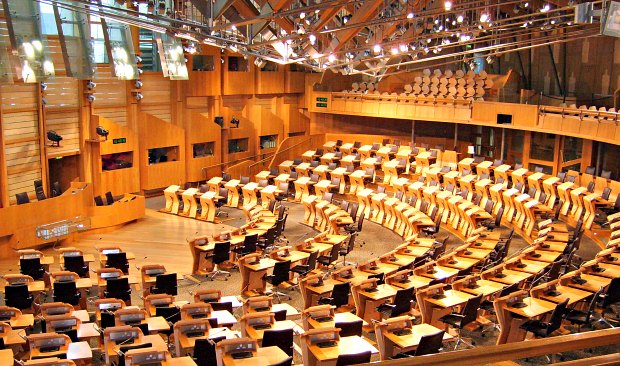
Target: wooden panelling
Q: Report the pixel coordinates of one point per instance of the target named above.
(269, 82)
(294, 82)
(121, 180)
(22, 151)
(293, 147)
(200, 128)
(67, 124)
(237, 82)
(205, 83)
(62, 92)
(118, 114)
(156, 133)
(19, 96)
(156, 92)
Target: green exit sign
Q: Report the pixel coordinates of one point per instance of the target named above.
(321, 105)
(121, 140)
(321, 99)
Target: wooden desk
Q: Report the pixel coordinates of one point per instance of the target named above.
(285, 166)
(214, 184)
(172, 200)
(249, 194)
(278, 325)
(433, 308)
(264, 356)
(6, 357)
(252, 275)
(592, 284)
(233, 192)
(409, 342)
(535, 307)
(482, 287)
(302, 188)
(565, 292)
(186, 344)
(368, 302)
(346, 345)
(345, 317)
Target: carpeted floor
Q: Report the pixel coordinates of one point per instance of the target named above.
(375, 241)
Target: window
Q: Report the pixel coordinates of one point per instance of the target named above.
(203, 149)
(237, 64)
(48, 19)
(148, 51)
(163, 154)
(203, 63)
(268, 142)
(237, 145)
(117, 161)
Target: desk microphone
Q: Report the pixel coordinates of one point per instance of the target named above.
(118, 351)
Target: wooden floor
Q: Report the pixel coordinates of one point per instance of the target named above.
(158, 238)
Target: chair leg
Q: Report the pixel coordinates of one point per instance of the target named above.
(460, 340)
(217, 272)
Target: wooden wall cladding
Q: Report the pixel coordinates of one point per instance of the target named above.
(157, 133)
(120, 180)
(239, 107)
(21, 137)
(204, 83)
(294, 82)
(66, 122)
(237, 82)
(111, 95)
(200, 128)
(269, 82)
(156, 92)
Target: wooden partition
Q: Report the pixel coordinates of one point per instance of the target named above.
(204, 78)
(202, 134)
(293, 147)
(594, 125)
(156, 133)
(239, 169)
(237, 82)
(20, 222)
(18, 230)
(156, 90)
(294, 81)
(117, 181)
(23, 140)
(62, 114)
(270, 82)
(111, 95)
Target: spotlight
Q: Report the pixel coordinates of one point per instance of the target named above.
(260, 63)
(44, 101)
(91, 85)
(54, 137)
(138, 59)
(235, 122)
(312, 39)
(302, 15)
(91, 98)
(138, 96)
(376, 48)
(410, 15)
(331, 58)
(137, 84)
(403, 48)
(102, 132)
(545, 8)
(346, 18)
(43, 86)
(490, 60)
(460, 18)
(394, 51)
(447, 5)
(484, 17)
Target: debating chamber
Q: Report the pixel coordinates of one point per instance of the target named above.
(309, 182)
